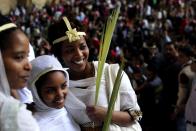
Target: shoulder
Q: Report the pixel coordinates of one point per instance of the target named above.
(95, 63)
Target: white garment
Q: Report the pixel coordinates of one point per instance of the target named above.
(13, 115)
(190, 127)
(25, 95)
(86, 96)
(56, 120)
(49, 119)
(190, 113)
(184, 89)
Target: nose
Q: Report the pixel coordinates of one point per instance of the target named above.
(78, 52)
(27, 65)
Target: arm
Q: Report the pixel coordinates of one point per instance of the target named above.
(182, 94)
(126, 100)
(98, 114)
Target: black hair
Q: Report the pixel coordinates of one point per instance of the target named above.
(57, 30)
(5, 34)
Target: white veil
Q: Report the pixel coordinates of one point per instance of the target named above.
(13, 114)
(4, 86)
(8, 107)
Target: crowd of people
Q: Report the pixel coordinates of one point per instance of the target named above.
(157, 39)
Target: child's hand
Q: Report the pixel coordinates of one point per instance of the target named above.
(96, 113)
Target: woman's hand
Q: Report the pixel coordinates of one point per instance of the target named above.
(96, 113)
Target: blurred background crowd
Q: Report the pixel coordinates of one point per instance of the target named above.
(156, 37)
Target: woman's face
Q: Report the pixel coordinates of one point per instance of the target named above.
(16, 61)
(53, 91)
(75, 55)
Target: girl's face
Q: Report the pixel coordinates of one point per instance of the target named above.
(75, 55)
(54, 90)
(15, 59)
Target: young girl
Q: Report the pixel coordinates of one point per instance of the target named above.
(49, 84)
(15, 70)
(70, 47)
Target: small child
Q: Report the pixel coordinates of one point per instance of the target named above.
(49, 83)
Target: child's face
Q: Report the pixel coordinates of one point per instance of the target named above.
(54, 90)
(75, 55)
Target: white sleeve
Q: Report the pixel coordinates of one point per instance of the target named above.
(128, 98)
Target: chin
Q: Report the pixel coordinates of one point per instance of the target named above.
(21, 86)
(59, 107)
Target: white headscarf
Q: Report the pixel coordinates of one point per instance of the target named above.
(40, 66)
(5, 106)
(4, 86)
(13, 114)
(48, 118)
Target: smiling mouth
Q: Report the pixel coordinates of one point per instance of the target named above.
(25, 78)
(59, 101)
(78, 62)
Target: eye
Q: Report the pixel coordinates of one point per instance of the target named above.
(69, 50)
(19, 57)
(83, 46)
(50, 91)
(64, 85)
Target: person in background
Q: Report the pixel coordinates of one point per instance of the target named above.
(168, 72)
(190, 115)
(185, 79)
(149, 97)
(15, 70)
(49, 83)
(70, 47)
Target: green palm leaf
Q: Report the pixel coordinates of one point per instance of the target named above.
(113, 97)
(105, 44)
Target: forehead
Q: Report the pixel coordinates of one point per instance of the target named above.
(53, 78)
(74, 43)
(17, 38)
(18, 41)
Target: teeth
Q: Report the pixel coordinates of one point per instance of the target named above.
(79, 61)
(59, 101)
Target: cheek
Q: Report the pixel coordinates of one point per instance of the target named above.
(47, 98)
(87, 52)
(67, 57)
(65, 92)
(12, 71)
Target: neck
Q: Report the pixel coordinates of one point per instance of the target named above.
(89, 71)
